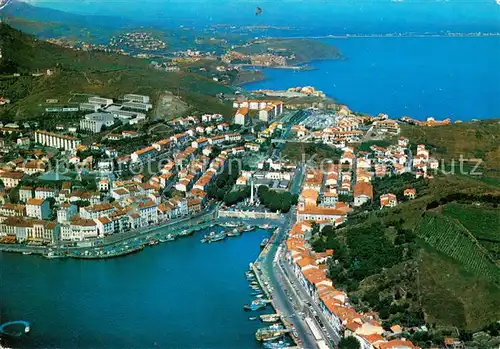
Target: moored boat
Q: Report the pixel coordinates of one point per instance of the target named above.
(270, 317)
(264, 242)
(270, 333)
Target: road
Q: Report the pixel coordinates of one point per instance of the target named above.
(285, 305)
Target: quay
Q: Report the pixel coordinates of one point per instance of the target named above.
(264, 285)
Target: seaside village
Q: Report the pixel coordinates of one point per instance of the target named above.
(95, 200)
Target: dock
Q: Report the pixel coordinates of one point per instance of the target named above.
(256, 270)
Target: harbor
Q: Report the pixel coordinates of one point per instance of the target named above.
(279, 332)
(210, 277)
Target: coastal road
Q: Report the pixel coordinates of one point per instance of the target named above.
(288, 309)
(308, 304)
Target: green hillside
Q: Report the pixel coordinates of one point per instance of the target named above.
(79, 72)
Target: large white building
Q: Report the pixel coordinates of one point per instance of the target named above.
(95, 121)
(101, 101)
(136, 98)
(56, 140)
(138, 106)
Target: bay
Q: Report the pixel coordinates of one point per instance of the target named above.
(182, 294)
(455, 77)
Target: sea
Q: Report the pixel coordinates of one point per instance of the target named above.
(180, 294)
(456, 77)
(186, 294)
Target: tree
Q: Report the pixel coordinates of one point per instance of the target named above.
(349, 343)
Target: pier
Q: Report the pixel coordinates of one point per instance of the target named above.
(26, 325)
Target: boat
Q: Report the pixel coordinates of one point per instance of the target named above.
(27, 329)
(53, 255)
(270, 317)
(256, 304)
(186, 232)
(153, 242)
(276, 345)
(213, 237)
(265, 226)
(27, 253)
(254, 283)
(259, 295)
(264, 242)
(252, 318)
(248, 228)
(270, 333)
(170, 237)
(233, 232)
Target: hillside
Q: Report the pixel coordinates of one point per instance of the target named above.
(471, 140)
(80, 72)
(430, 261)
(304, 50)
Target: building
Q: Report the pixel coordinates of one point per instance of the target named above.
(363, 193)
(38, 208)
(44, 193)
(103, 102)
(388, 200)
(11, 179)
(136, 98)
(25, 193)
(90, 107)
(144, 154)
(56, 140)
(410, 193)
(138, 106)
(65, 212)
(241, 117)
(95, 121)
(9, 209)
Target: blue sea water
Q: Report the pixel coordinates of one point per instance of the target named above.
(182, 294)
(455, 77)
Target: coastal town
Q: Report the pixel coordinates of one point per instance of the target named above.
(78, 190)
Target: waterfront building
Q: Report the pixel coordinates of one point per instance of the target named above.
(105, 226)
(43, 231)
(95, 121)
(56, 140)
(148, 213)
(38, 208)
(96, 211)
(81, 229)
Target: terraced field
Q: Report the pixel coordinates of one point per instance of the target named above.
(452, 239)
(481, 222)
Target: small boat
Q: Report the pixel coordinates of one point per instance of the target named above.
(270, 333)
(259, 295)
(265, 226)
(248, 228)
(27, 253)
(170, 237)
(153, 242)
(276, 345)
(54, 255)
(252, 318)
(186, 232)
(270, 317)
(264, 242)
(233, 232)
(27, 329)
(214, 236)
(254, 283)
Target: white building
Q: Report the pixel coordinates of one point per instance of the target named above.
(138, 106)
(95, 121)
(44, 193)
(65, 212)
(136, 98)
(55, 140)
(38, 208)
(100, 101)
